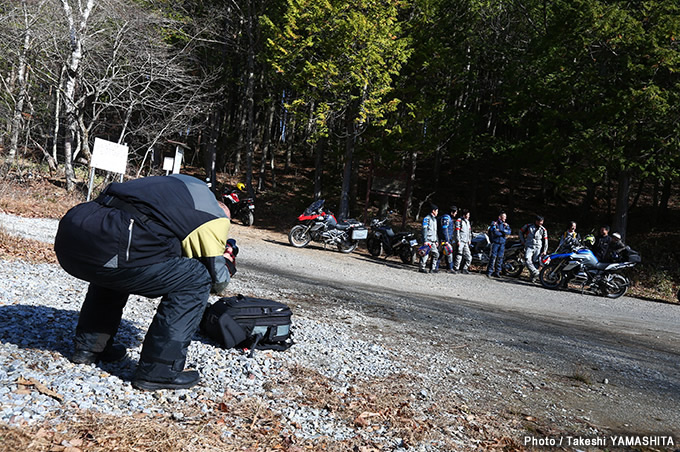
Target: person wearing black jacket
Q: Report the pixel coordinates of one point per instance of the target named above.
(617, 250)
(601, 245)
(162, 236)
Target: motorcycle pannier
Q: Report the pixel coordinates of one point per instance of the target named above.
(253, 323)
(359, 233)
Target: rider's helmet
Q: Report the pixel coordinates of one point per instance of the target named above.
(424, 250)
(447, 249)
(589, 240)
(241, 186)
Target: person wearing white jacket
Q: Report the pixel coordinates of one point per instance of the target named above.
(463, 238)
(534, 237)
(430, 239)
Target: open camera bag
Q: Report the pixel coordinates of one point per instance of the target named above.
(252, 323)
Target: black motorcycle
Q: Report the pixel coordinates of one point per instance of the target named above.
(513, 258)
(382, 238)
(319, 225)
(241, 206)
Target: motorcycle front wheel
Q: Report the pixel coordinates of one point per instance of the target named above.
(247, 218)
(347, 246)
(298, 236)
(614, 285)
(551, 276)
(513, 267)
(374, 246)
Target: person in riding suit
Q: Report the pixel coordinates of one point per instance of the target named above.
(447, 237)
(498, 231)
(601, 245)
(159, 236)
(430, 239)
(569, 237)
(617, 250)
(534, 237)
(463, 237)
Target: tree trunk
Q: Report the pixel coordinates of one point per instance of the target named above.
(318, 167)
(22, 79)
(309, 128)
(266, 145)
(211, 151)
(240, 142)
(85, 139)
(408, 202)
(76, 34)
(290, 139)
(588, 199)
(663, 201)
(350, 143)
(622, 198)
(57, 112)
(250, 100)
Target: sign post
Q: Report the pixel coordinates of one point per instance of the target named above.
(108, 156)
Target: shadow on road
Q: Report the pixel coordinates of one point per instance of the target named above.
(45, 328)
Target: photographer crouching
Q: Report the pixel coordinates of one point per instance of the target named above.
(161, 236)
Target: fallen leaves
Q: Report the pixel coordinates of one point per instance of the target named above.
(24, 387)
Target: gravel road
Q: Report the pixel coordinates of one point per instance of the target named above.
(507, 350)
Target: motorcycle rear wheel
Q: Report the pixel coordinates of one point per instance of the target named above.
(298, 237)
(407, 255)
(247, 218)
(513, 267)
(347, 246)
(615, 285)
(551, 277)
(374, 246)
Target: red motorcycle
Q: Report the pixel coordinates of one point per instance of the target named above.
(240, 205)
(319, 225)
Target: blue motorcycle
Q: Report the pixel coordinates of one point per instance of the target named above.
(580, 266)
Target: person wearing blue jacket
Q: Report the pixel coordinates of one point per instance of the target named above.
(498, 231)
(161, 236)
(447, 237)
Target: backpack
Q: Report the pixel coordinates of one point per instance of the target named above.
(253, 323)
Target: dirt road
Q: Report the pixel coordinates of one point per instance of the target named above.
(572, 361)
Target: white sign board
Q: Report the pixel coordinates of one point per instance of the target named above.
(109, 156)
(179, 155)
(168, 163)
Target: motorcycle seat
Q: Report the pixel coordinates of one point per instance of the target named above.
(342, 226)
(602, 265)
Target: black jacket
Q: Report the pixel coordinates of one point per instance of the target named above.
(177, 216)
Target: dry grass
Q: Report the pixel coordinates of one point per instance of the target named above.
(14, 247)
(382, 406)
(97, 432)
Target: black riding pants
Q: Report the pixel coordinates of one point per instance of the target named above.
(184, 285)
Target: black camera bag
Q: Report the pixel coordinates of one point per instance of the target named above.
(252, 323)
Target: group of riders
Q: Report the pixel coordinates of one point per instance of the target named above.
(448, 238)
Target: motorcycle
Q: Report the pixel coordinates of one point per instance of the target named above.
(241, 207)
(316, 224)
(579, 265)
(383, 238)
(513, 257)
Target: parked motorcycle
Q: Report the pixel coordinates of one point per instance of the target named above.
(582, 267)
(241, 207)
(513, 258)
(383, 238)
(319, 225)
